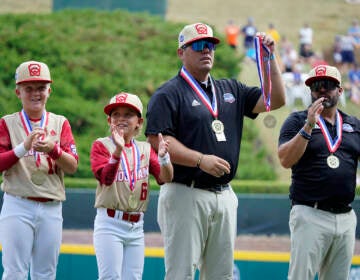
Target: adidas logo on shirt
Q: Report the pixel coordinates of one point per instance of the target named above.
(195, 103)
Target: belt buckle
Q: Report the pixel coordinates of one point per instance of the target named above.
(126, 216)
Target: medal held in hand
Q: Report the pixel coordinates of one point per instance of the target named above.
(333, 161)
(218, 128)
(133, 202)
(38, 177)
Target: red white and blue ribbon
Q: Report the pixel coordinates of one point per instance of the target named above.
(333, 144)
(28, 129)
(263, 54)
(212, 106)
(131, 176)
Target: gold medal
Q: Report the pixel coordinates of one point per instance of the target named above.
(333, 161)
(38, 177)
(133, 202)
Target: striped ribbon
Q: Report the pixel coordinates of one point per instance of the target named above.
(332, 144)
(132, 178)
(262, 53)
(28, 128)
(211, 106)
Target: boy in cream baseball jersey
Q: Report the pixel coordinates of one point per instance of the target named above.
(122, 166)
(36, 149)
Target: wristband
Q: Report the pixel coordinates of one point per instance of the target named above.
(164, 160)
(309, 124)
(199, 161)
(20, 150)
(270, 57)
(114, 159)
(304, 134)
(56, 152)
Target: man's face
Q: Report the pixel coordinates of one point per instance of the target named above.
(198, 57)
(328, 89)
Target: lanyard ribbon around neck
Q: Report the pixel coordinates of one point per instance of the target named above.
(28, 129)
(332, 144)
(131, 176)
(211, 106)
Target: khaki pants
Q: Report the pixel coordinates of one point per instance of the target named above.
(199, 230)
(321, 242)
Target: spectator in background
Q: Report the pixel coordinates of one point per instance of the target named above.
(354, 81)
(288, 54)
(232, 32)
(317, 59)
(272, 31)
(337, 51)
(354, 30)
(249, 32)
(306, 41)
(347, 50)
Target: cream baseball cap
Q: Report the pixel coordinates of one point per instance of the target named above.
(195, 32)
(124, 99)
(322, 72)
(32, 71)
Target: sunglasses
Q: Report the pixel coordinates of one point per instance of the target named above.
(199, 46)
(328, 85)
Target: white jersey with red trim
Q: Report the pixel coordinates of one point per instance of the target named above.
(17, 179)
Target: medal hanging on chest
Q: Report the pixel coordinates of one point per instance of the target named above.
(133, 200)
(333, 144)
(217, 126)
(37, 176)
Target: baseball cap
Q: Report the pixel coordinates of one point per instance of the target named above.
(32, 71)
(124, 99)
(195, 32)
(323, 71)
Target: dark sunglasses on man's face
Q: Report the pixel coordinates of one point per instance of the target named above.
(199, 46)
(327, 85)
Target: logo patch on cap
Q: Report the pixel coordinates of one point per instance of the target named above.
(121, 98)
(201, 29)
(34, 69)
(320, 70)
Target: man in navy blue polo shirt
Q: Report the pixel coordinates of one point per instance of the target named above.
(203, 119)
(322, 146)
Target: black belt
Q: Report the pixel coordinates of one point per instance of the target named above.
(217, 188)
(325, 206)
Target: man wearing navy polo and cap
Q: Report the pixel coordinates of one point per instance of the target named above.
(322, 146)
(203, 119)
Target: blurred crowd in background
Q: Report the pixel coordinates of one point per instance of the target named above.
(297, 58)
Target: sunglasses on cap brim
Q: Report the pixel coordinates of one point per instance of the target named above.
(324, 84)
(200, 45)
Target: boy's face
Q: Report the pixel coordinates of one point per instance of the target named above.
(33, 95)
(126, 119)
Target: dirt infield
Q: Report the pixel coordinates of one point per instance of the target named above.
(273, 243)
